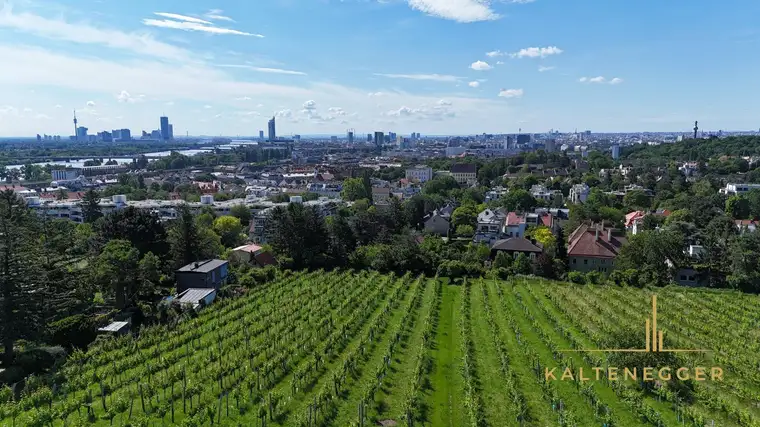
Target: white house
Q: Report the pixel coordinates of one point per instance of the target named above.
(579, 193)
(738, 189)
(419, 173)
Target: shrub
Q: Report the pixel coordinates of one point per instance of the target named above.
(576, 277)
(76, 331)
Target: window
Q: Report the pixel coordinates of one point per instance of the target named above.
(575, 261)
(603, 261)
(683, 277)
(585, 262)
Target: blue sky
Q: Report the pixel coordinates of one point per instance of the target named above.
(430, 66)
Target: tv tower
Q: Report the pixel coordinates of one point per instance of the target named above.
(76, 135)
(696, 128)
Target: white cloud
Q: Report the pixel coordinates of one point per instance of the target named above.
(58, 106)
(433, 77)
(243, 98)
(182, 18)
(424, 112)
(169, 104)
(59, 30)
(337, 111)
(310, 105)
(537, 52)
(194, 26)
(474, 84)
(616, 81)
(542, 68)
(495, 53)
(283, 114)
(27, 110)
(208, 107)
(480, 66)
(375, 94)
(444, 102)
(216, 15)
(511, 93)
(601, 80)
(90, 103)
(124, 96)
(41, 116)
(456, 10)
(499, 62)
(263, 69)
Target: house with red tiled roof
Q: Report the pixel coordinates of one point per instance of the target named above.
(254, 255)
(591, 247)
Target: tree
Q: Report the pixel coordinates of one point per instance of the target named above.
(355, 189)
(117, 271)
(464, 215)
(342, 240)
(745, 263)
(142, 228)
(90, 205)
(543, 235)
(502, 260)
(184, 238)
(414, 212)
(465, 230)
(440, 185)
(229, 230)
(648, 251)
(522, 264)
(518, 200)
(299, 233)
(243, 213)
(61, 194)
(20, 275)
(149, 273)
(738, 207)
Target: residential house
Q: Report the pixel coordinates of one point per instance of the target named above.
(207, 274)
(591, 247)
(516, 224)
(380, 194)
(540, 192)
(738, 189)
(495, 194)
(747, 225)
(419, 173)
(632, 218)
(490, 226)
(579, 193)
(438, 223)
(514, 246)
(253, 255)
(465, 173)
(197, 298)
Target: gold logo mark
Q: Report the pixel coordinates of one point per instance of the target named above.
(654, 339)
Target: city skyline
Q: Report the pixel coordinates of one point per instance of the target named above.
(433, 66)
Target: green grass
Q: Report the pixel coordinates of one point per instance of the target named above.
(445, 399)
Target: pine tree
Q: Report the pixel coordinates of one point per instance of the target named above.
(21, 301)
(184, 238)
(91, 206)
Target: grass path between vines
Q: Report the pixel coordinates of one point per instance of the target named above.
(348, 409)
(391, 397)
(446, 399)
(499, 409)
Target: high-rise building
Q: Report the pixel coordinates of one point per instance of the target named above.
(615, 152)
(523, 139)
(350, 137)
(164, 128)
(39, 138)
(81, 134)
(550, 145)
(121, 135)
(379, 139)
(261, 135)
(334, 139)
(369, 137)
(272, 130)
(171, 131)
(105, 136)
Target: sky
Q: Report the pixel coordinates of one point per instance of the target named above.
(221, 67)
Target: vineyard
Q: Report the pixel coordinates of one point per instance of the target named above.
(364, 349)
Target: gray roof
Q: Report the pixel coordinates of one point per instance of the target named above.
(515, 244)
(203, 266)
(193, 295)
(114, 327)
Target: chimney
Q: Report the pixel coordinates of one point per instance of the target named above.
(609, 235)
(597, 234)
